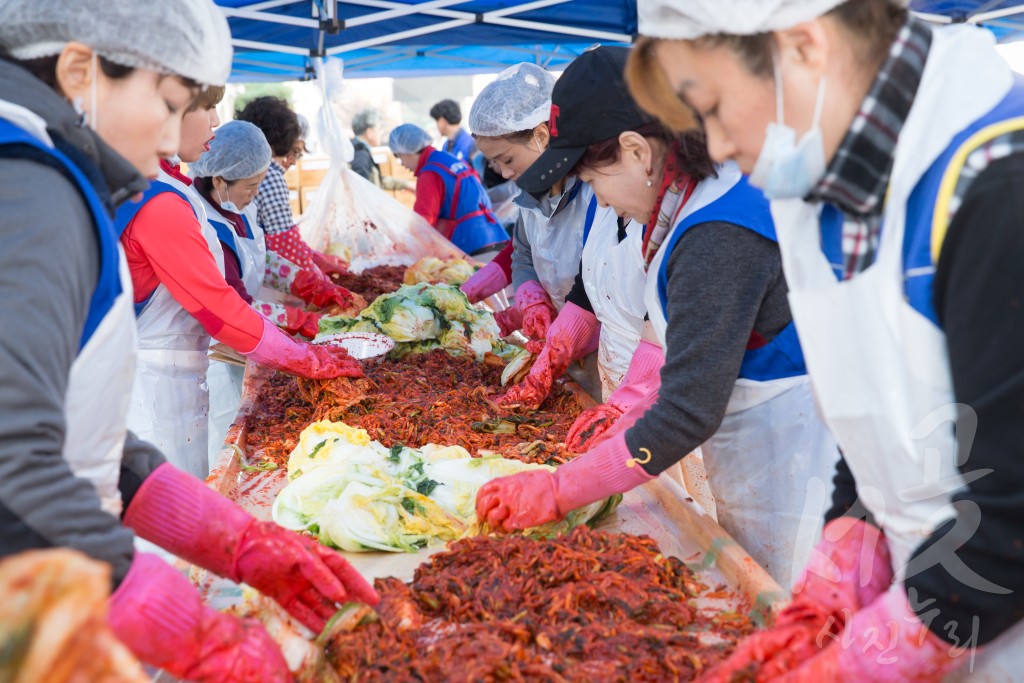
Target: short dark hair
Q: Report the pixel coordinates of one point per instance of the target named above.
(207, 99)
(448, 110)
(690, 148)
(274, 117)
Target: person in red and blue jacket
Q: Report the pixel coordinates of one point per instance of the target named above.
(449, 194)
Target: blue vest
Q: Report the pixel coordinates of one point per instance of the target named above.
(466, 204)
(225, 230)
(746, 207)
(127, 212)
(919, 255)
(108, 285)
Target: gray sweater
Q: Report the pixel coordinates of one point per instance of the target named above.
(724, 282)
(49, 265)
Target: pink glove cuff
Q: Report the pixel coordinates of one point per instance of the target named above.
(485, 282)
(642, 377)
(154, 605)
(892, 645)
(531, 293)
(173, 509)
(597, 474)
(275, 346)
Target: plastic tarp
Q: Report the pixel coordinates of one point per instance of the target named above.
(275, 40)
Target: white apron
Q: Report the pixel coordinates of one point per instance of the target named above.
(170, 399)
(770, 464)
(881, 369)
(225, 379)
(99, 384)
(614, 278)
(556, 242)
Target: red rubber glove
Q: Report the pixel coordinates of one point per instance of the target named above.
(569, 336)
(885, 643)
(161, 618)
(279, 351)
(538, 311)
(485, 282)
(642, 378)
(314, 289)
(179, 513)
(537, 497)
(301, 322)
(328, 263)
(509, 320)
(849, 568)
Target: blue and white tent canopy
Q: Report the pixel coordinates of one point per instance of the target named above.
(275, 40)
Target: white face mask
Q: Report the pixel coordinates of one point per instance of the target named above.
(786, 168)
(227, 205)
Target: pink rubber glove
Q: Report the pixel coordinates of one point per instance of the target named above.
(309, 286)
(642, 378)
(569, 336)
(884, 643)
(538, 311)
(179, 513)
(161, 618)
(279, 351)
(536, 497)
(485, 282)
(849, 568)
(301, 322)
(328, 263)
(509, 320)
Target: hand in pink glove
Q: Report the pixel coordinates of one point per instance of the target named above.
(279, 351)
(570, 334)
(161, 618)
(536, 497)
(885, 642)
(179, 513)
(301, 322)
(848, 569)
(314, 289)
(641, 378)
(538, 311)
(328, 263)
(509, 320)
(485, 282)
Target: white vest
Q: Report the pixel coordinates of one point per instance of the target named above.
(170, 399)
(614, 278)
(881, 369)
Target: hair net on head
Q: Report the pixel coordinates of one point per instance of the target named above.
(365, 120)
(187, 38)
(303, 126)
(695, 18)
(238, 151)
(518, 99)
(409, 139)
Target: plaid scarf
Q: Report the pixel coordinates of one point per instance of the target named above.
(676, 188)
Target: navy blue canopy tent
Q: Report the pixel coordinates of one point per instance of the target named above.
(276, 40)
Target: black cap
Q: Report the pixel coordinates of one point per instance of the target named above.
(590, 103)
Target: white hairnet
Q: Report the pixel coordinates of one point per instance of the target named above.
(690, 19)
(518, 99)
(409, 139)
(238, 150)
(303, 126)
(187, 38)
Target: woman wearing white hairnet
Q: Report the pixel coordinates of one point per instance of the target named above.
(449, 194)
(509, 120)
(894, 155)
(88, 108)
(182, 300)
(606, 296)
(226, 179)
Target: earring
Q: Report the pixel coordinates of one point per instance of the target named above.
(83, 118)
(650, 183)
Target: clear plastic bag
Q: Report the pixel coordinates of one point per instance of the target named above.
(353, 218)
